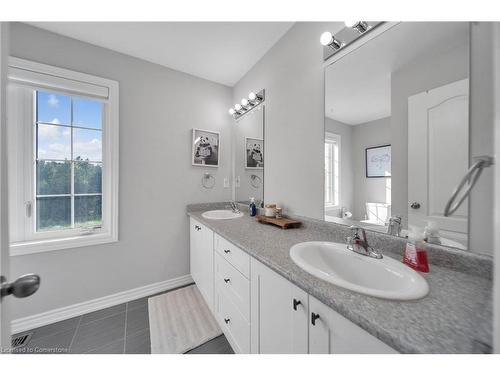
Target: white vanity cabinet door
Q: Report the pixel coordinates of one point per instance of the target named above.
(331, 333)
(202, 260)
(276, 327)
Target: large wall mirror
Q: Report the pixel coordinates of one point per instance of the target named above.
(249, 156)
(397, 129)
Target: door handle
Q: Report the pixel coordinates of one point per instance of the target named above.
(296, 303)
(22, 287)
(415, 205)
(314, 317)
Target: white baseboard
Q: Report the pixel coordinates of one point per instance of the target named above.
(56, 315)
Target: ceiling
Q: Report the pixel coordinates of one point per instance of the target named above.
(358, 86)
(218, 51)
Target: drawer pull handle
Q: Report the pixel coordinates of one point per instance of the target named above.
(314, 317)
(296, 303)
(227, 251)
(227, 320)
(197, 227)
(227, 280)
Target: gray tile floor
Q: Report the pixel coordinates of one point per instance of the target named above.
(119, 329)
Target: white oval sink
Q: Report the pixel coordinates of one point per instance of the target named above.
(221, 214)
(383, 278)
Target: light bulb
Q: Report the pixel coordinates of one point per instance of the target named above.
(244, 102)
(232, 111)
(359, 26)
(350, 23)
(326, 38)
(237, 107)
(252, 96)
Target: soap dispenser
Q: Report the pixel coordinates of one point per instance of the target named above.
(415, 256)
(252, 208)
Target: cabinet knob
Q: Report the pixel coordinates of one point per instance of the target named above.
(415, 205)
(227, 320)
(227, 251)
(227, 280)
(314, 317)
(296, 303)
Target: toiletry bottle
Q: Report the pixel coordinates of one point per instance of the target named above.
(415, 256)
(431, 233)
(252, 208)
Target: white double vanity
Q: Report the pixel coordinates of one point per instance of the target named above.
(260, 311)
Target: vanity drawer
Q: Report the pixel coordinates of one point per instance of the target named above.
(236, 286)
(235, 326)
(235, 256)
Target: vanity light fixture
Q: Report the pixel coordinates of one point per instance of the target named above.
(327, 39)
(247, 104)
(352, 31)
(359, 26)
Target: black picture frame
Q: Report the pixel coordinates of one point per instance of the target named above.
(367, 150)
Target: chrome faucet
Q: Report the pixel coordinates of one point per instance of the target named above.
(394, 227)
(360, 244)
(234, 207)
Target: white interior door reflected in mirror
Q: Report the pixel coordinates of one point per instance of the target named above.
(438, 156)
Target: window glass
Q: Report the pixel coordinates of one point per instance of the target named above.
(53, 142)
(53, 177)
(88, 210)
(87, 113)
(53, 213)
(53, 108)
(87, 144)
(88, 178)
(68, 162)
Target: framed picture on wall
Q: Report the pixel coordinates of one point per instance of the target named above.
(254, 153)
(378, 161)
(205, 148)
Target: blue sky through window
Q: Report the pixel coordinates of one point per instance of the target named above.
(53, 108)
(54, 142)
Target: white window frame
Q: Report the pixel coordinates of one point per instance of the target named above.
(334, 139)
(22, 174)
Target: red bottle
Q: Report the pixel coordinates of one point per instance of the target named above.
(415, 256)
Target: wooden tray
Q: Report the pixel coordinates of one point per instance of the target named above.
(283, 223)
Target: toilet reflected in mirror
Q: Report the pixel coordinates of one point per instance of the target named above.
(397, 130)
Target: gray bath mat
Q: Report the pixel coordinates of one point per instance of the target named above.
(180, 321)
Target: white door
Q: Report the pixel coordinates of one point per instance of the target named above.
(279, 312)
(438, 156)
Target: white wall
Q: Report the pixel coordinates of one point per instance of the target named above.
(292, 74)
(442, 67)
(369, 134)
(346, 164)
(156, 176)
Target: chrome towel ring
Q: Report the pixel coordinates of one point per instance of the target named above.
(255, 181)
(471, 177)
(208, 181)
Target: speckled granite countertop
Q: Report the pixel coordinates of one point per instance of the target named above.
(455, 317)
